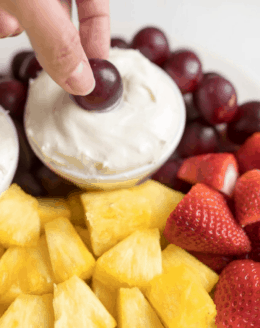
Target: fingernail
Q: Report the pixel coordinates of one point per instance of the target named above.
(2, 36)
(81, 81)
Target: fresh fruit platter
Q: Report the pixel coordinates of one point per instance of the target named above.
(182, 249)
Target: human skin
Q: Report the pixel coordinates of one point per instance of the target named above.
(61, 50)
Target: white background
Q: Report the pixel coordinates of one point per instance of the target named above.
(227, 28)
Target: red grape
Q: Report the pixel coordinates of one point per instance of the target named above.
(210, 75)
(153, 44)
(25, 66)
(53, 184)
(109, 87)
(185, 69)
(28, 183)
(17, 61)
(216, 99)
(198, 138)
(27, 158)
(13, 95)
(191, 111)
(245, 123)
(167, 175)
(225, 144)
(119, 43)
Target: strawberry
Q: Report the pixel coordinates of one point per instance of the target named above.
(248, 155)
(253, 232)
(219, 171)
(253, 255)
(213, 261)
(237, 295)
(203, 222)
(247, 198)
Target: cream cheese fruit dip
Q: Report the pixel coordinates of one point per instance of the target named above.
(88, 145)
(9, 150)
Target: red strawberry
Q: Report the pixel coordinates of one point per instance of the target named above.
(247, 198)
(237, 295)
(202, 222)
(219, 171)
(248, 155)
(253, 255)
(213, 261)
(253, 232)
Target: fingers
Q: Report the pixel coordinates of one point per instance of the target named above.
(66, 4)
(9, 25)
(94, 27)
(57, 44)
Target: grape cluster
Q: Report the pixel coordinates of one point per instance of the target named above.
(215, 121)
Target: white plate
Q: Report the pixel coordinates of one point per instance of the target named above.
(247, 88)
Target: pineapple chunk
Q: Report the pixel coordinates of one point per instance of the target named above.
(76, 209)
(106, 295)
(3, 308)
(19, 220)
(173, 256)
(132, 262)
(2, 250)
(212, 324)
(163, 201)
(69, 255)
(164, 242)
(25, 270)
(134, 310)
(180, 301)
(113, 216)
(75, 305)
(84, 235)
(52, 208)
(29, 311)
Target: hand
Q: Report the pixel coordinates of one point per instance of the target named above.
(61, 50)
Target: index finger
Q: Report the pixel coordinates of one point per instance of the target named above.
(94, 29)
(56, 42)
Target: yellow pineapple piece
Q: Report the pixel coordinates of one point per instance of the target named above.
(76, 306)
(106, 295)
(89, 196)
(112, 216)
(19, 219)
(52, 208)
(164, 242)
(25, 270)
(69, 255)
(135, 311)
(2, 250)
(132, 262)
(29, 311)
(173, 256)
(179, 300)
(78, 216)
(212, 324)
(84, 235)
(163, 201)
(3, 308)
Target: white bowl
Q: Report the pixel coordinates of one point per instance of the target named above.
(127, 178)
(9, 150)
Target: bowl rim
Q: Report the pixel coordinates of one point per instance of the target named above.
(7, 180)
(137, 173)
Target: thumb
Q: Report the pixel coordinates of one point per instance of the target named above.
(57, 44)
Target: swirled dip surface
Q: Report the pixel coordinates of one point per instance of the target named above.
(135, 134)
